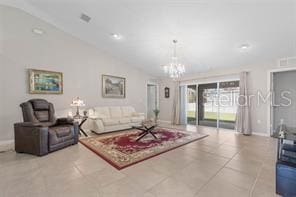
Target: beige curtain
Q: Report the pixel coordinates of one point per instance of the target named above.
(243, 122)
(176, 104)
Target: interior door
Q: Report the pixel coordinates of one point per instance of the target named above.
(151, 100)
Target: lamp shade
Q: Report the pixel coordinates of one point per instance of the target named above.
(77, 102)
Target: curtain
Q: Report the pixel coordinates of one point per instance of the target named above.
(243, 122)
(176, 104)
(183, 117)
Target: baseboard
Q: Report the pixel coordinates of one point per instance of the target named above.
(6, 145)
(261, 134)
(254, 133)
(165, 121)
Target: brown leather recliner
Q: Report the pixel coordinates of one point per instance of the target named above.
(41, 132)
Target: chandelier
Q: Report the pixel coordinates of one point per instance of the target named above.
(174, 69)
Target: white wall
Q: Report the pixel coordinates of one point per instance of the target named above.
(165, 104)
(82, 65)
(257, 82)
(1, 69)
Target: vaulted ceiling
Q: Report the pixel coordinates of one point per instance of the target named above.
(210, 32)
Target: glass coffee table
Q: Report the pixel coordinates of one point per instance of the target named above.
(146, 127)
(287, 145)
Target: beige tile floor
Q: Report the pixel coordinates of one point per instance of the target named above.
(223, 164)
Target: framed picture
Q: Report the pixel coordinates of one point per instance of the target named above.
(45, 82)
(166, 92)
(113, 87)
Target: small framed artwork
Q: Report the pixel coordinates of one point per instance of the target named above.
(113, 87)
(45, 82)
(166, 92)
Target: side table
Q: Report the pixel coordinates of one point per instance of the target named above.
(81, 121)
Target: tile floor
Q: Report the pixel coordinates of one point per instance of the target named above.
(223, 164)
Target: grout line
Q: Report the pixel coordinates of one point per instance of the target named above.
(89, 181)
(256, 180)
(224, 166)
(215, 174)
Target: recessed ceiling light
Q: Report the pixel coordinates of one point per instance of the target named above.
(116, 36)
(245, 46)
(37, 31)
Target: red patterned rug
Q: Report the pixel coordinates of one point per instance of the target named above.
(121, 149)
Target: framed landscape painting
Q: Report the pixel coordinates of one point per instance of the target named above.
(113, 87)
(45, 82)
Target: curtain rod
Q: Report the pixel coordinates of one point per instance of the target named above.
(213, 76)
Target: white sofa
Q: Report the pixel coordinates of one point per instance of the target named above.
(106, 119)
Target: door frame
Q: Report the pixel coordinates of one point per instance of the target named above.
(157, 95)
(270, 79)
(233, 77)
(196, 102)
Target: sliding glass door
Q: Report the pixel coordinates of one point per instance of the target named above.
(216, 104)
(228, 95)
(207, 104)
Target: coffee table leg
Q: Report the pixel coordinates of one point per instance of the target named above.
(144, 134)
(153, 134)
(146, 131)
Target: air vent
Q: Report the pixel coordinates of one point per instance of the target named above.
(287, 62)
(85, 18)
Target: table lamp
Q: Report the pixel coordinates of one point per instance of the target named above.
(77, 102)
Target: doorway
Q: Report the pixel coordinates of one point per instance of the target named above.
(283, 108)
(152, 100)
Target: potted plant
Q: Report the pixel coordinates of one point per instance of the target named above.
(156, 113)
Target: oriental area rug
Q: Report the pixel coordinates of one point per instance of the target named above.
(121, 149)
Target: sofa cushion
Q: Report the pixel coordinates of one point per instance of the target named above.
(110, 122)
(91, 112)
(102, 111)
(124, 120)
(115, 112)
(127, 111)
(137, 119)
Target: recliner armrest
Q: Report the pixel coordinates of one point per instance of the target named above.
(61, 121)
(31, 138)
(31, 124)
